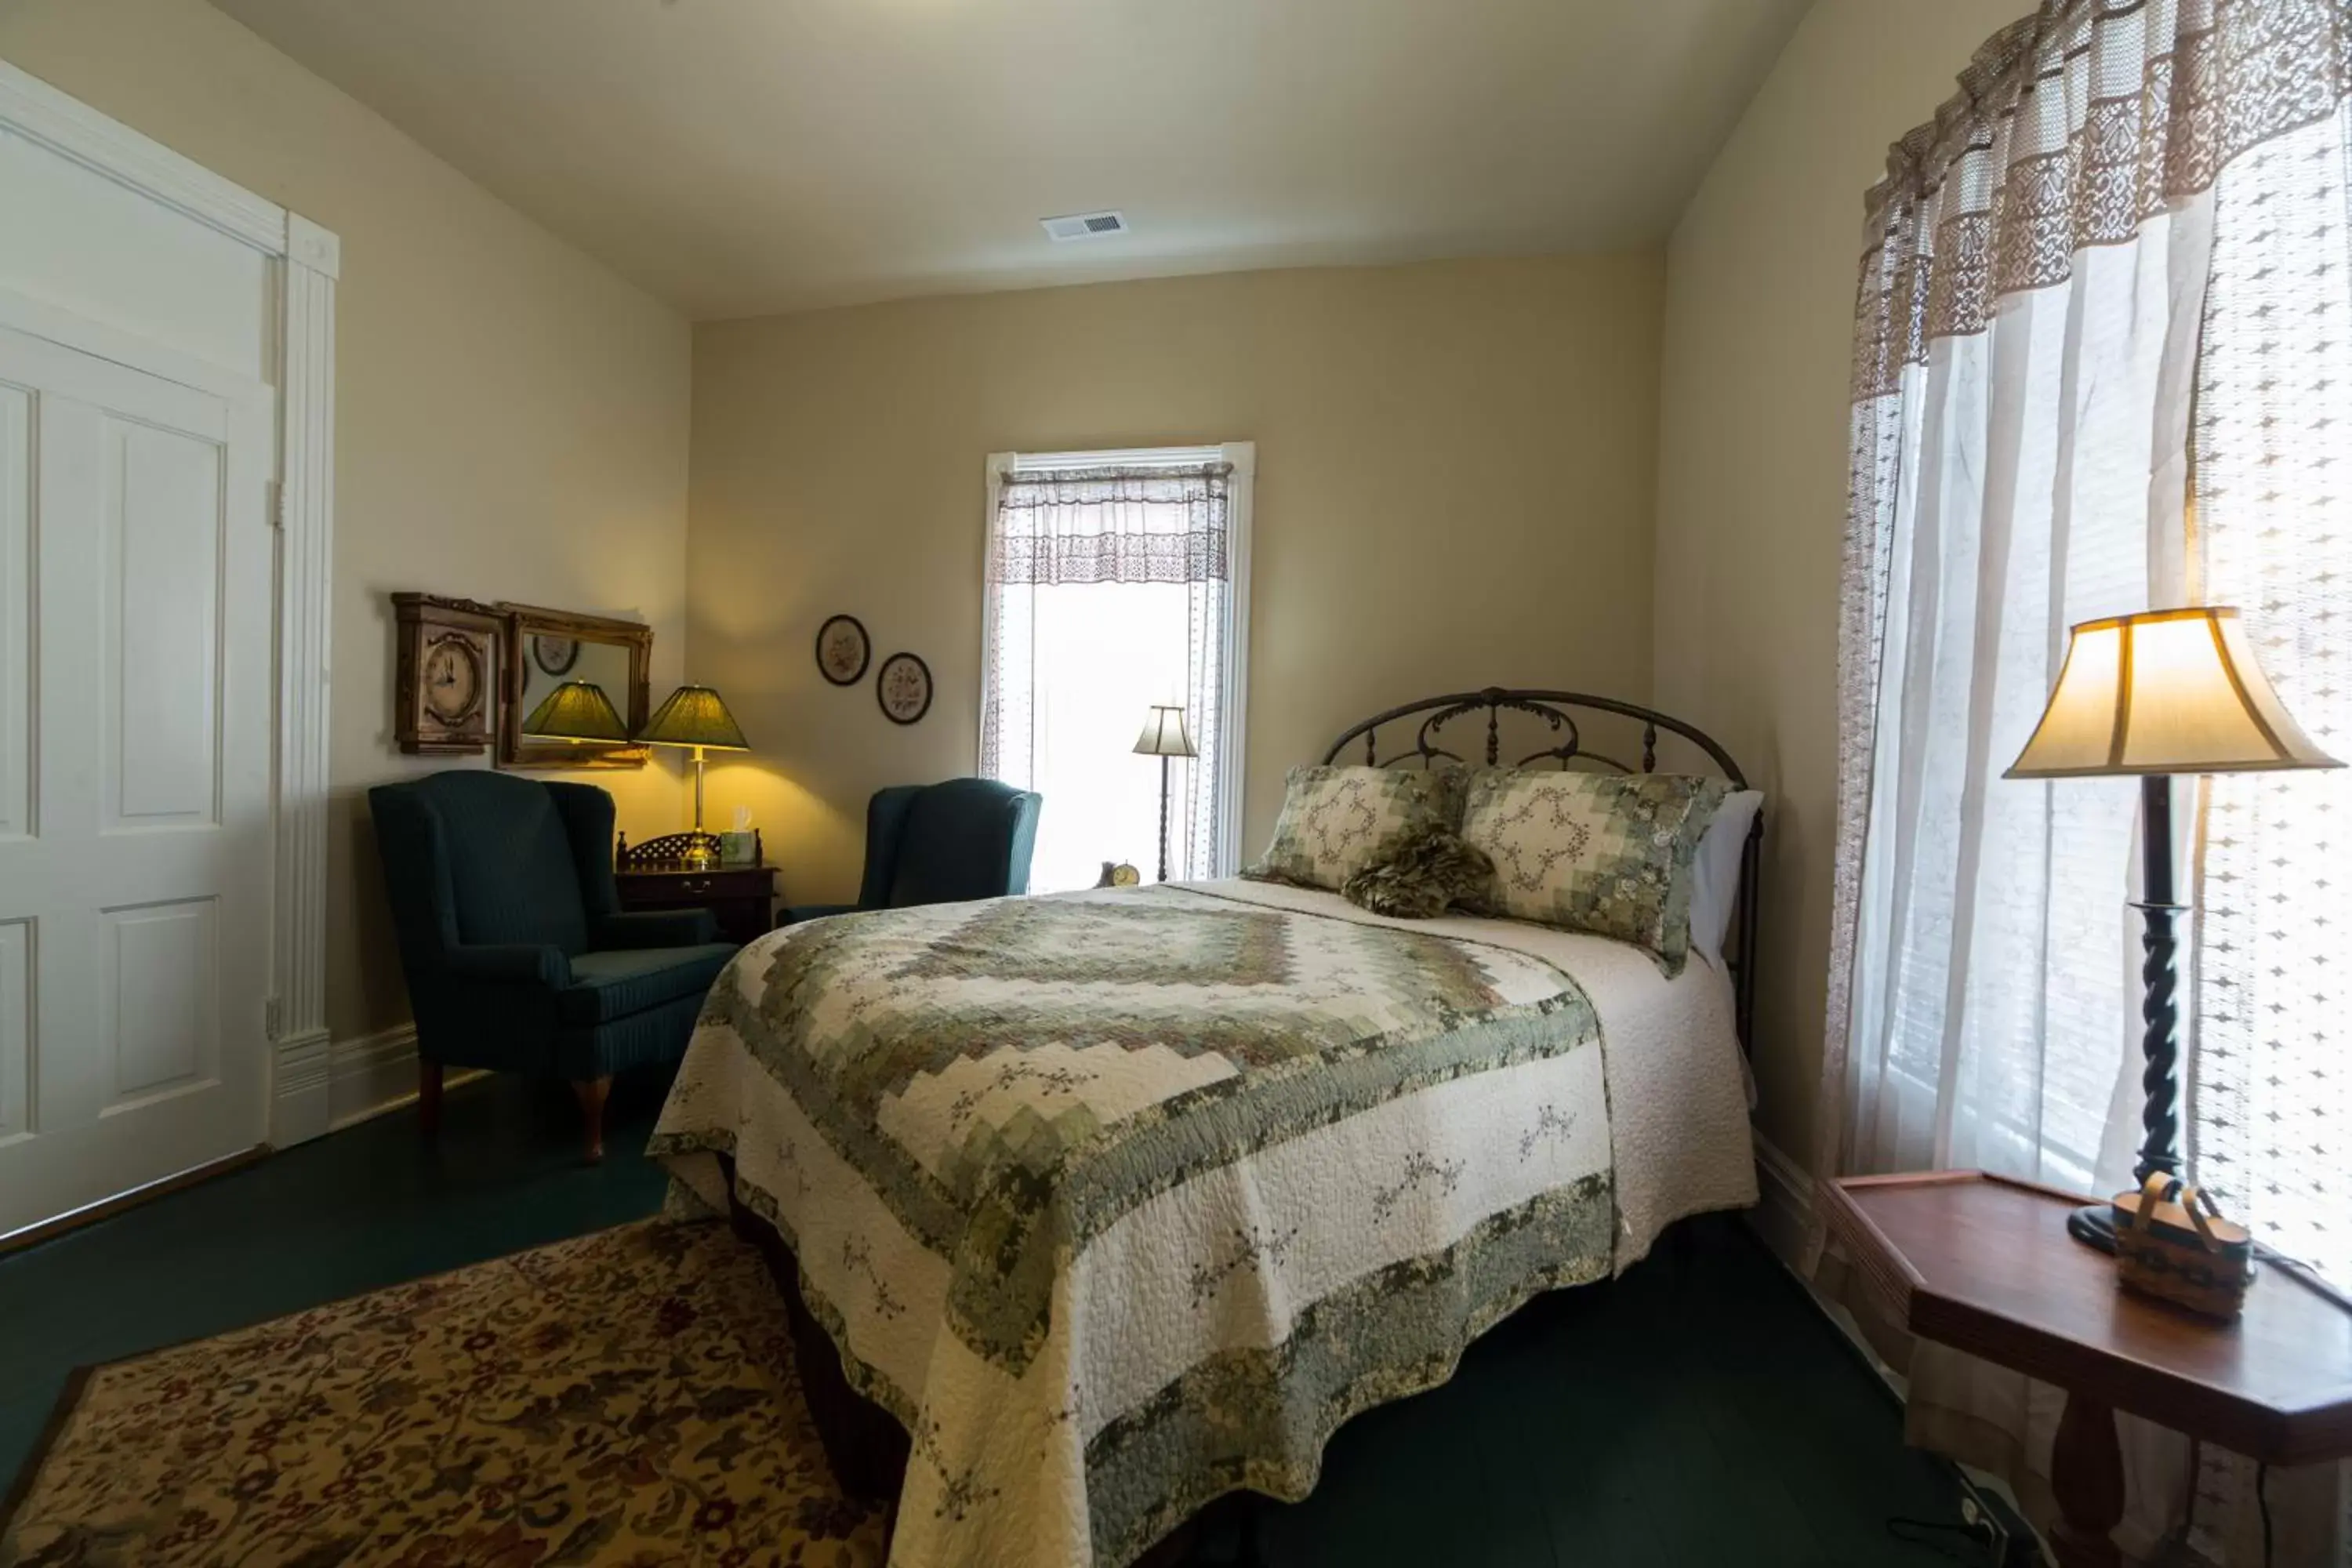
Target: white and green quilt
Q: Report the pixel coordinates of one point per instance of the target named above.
(1119, 1201)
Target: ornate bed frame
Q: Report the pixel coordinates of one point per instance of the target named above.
(864, 1444)
(1436, 712)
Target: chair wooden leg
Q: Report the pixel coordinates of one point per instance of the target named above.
(593, 1092)
(428, 1098)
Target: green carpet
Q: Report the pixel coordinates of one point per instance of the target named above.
(1697, 1411)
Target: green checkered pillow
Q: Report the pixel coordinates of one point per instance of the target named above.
(1605, 853)
(1336, 822)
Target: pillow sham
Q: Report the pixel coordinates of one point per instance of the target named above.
(1336, 821)
(1605, 853)
(1715, 871)
(1427, 872)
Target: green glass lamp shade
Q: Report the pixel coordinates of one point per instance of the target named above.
(694, 716)
(576, 711)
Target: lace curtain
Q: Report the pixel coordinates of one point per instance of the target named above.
(2114, 261)
(1145, 543)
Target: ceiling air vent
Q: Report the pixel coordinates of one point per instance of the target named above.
(1084, 226)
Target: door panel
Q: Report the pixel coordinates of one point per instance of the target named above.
(15, 612)
(16, 1028)
(160, 962)
(164, 561)
(134, 912)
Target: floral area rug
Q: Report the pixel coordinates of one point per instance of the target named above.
(624, 1398)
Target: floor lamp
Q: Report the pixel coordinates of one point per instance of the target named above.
(2152, 695)
(1164, 736)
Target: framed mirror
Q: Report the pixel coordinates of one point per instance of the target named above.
(543, 649)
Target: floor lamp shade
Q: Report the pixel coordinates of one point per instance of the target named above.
(1165, 734)
(2169, 691)
(2152, 695)
(576, 710)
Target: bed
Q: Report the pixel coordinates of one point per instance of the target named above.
(1089, 1208)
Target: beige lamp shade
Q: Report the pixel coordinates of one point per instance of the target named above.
(576, 710)
(694, 716)
(1165, 734)
(2167, 691)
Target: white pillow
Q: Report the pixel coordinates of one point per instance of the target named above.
(1714, 873)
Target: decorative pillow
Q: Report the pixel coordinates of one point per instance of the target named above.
(1335, 822)
(1605, 853)
(1428, 871)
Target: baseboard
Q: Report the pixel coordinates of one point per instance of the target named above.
(369, 1076)
(1782, 1216)
(300, 1086)
(1784, 1211)
(322, 1086)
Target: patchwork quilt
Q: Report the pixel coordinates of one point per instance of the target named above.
(1121, 1200)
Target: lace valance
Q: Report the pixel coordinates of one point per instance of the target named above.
(2074, 128)
(1112, 525)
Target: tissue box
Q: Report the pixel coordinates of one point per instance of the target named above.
(738, 849)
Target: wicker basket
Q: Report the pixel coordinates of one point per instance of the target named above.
(2171, 1242)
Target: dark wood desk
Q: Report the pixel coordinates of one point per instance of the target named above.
(1985, 1264)
(741, 897)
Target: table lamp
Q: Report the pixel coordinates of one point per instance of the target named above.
(2152, 695)
(1164, 736)
(576, 711)
(695, 716)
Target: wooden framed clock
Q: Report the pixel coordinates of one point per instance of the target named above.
(448, 670)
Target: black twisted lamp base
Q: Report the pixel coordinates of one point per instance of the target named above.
(2094, 1225)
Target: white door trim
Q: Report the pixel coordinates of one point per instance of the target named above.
(309, 259)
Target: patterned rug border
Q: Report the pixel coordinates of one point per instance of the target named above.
(77, 1380)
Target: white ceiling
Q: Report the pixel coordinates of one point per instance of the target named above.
(738, 157)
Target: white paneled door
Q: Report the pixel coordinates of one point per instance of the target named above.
(136, 562)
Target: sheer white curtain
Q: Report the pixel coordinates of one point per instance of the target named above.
(2020, 426)
(2117, 257)
(1109, 589)
(2269, 1014)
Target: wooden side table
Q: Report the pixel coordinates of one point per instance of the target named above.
(740, 896)
(1984, 1265)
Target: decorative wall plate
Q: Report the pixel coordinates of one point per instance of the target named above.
(555, 655)
(843, 650)
(904, 687)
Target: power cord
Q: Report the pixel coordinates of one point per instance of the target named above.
(2262, 1502)
(1926, 1531)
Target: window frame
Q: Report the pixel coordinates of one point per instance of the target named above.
(1233, 769)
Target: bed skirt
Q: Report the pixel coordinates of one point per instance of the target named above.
(864, 1444)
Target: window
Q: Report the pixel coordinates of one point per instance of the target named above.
(1116, 583)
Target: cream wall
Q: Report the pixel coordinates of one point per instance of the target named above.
(1455, 467)
(512, 418)
(1752, 459)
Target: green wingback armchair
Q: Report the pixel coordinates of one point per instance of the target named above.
(940, 844)
(517, 954)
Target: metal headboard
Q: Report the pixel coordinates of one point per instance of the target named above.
(1436, 712)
